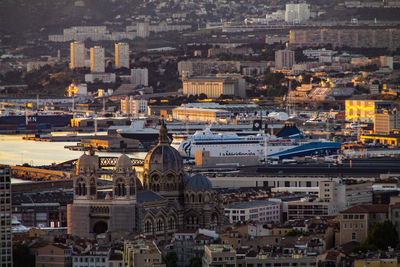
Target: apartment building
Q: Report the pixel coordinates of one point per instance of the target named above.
(122, 55)
(132, 106)
(140, 76)
(357, 38)
(50, 255)
(257, 210)
(284, 59)
(215, 86)
(97, 63)
(386, 121)
(216, 255)
(143, 253)
(356, 221)
(77, 51)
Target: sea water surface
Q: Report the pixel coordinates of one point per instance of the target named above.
(16, 151)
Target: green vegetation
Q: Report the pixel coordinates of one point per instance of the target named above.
(381, 236)
(195, 262)
(170, 259)
(22, 256)
(293, 232)
(46, 80)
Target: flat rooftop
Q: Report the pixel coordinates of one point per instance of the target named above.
(250, 204)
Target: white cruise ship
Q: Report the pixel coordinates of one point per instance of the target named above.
(230, 144)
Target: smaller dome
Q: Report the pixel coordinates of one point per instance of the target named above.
(123, 162)
(197, 182)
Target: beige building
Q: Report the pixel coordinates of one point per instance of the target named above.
(215, 86)
(386, 121)
(77, 55)
(122, 55)
(200, 67)
(356, 221)
(218, 255)
(5, 217)
(376, 262)
(133, 106)
(293, 260)
(199, 114)
(284, 59)
(377, 38)
(142, 253)
(53, 255)
(97, 63)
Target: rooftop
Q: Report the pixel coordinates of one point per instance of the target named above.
(250, 204)
(375, 208)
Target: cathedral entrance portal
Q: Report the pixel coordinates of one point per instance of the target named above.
(100, 227)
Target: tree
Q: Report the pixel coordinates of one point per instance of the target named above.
(195, 262)
(171, 259)
(382, 235)
(22, 256)
(293, 232)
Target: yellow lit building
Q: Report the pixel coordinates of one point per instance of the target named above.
(122, 55)
(214, 87)
(386, 122)
(97, 63)
(375, 262)
(199, 114)
(77, 55)
(364, 110)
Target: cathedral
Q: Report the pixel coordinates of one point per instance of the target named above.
(165, 200)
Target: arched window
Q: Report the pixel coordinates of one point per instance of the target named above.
(120, 189)
(132, 188)
(158, 188)
(171, 223)
(80, 188)
(192, 198)
(148, 227)
(160, 225)
(200, 197)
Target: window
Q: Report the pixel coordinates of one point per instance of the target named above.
(344, 226)
(353, 236)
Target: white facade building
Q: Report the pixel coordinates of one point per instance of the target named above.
(297, 13)
(284, 59)
(101, 77)
(140, 76)
(122, 55)
(97, 63)
(258, 210)
(77, 55)
(133, 106)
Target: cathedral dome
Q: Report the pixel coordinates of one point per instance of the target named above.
(163, 157)
(198, 182)
(123, 162)
(85, 163)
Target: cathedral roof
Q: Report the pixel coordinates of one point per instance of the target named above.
(197, 182)
(148, 196)
(163, 157)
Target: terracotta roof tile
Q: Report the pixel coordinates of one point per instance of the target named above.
(373, 208)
